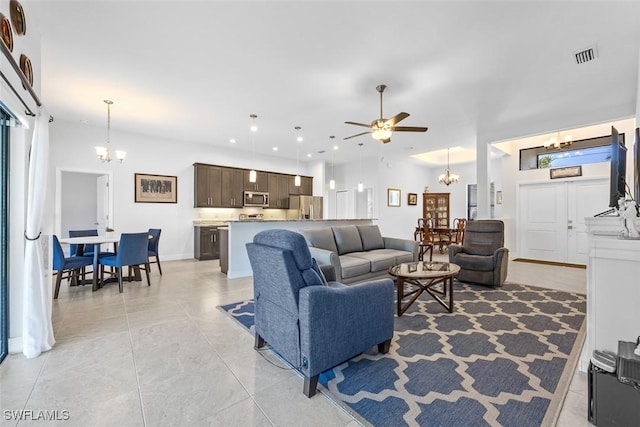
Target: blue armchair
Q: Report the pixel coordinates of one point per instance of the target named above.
(313, 325)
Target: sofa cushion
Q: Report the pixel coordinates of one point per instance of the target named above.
(353, 266)
(474, 262)
(347, 239)
(320, 238)
(371, 237)
(379, 259)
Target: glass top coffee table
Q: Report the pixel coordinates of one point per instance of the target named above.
(436, 278)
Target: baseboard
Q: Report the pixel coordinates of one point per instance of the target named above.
(561, 264)
(15, 345)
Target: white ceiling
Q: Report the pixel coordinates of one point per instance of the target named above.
(195, 71)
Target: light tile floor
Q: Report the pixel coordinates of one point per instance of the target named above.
(165, 355)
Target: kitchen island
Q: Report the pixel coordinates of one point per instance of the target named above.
(241, 232)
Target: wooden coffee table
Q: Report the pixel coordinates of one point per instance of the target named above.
(425, 276)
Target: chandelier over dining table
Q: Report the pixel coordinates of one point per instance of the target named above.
(448, 178)
(104, 153)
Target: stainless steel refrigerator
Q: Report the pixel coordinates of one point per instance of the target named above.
(305, 207)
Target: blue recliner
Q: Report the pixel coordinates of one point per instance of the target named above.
(313, 324)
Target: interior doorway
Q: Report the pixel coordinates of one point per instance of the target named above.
(84, 200)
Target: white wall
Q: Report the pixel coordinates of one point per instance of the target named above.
(72, 147)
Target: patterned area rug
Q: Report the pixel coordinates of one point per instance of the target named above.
(504, 357)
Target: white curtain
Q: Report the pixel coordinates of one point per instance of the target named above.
(37, 329)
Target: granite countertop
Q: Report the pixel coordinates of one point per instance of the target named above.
(209, 223)
(301, 220)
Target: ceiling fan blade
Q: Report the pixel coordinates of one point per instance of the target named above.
(395, 119)
(408, 129)
(358, 134)
(358, 124)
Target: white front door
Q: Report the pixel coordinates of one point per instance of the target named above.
(551, 224)
(542, 222)
(102, 203)
(584, 199)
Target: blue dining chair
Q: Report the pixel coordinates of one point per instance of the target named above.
(69, 265)
(133, 251)
(154, 241)
(79, 250)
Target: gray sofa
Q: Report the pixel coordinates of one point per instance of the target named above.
(358, 252)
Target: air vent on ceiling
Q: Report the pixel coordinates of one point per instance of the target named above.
(586, 55)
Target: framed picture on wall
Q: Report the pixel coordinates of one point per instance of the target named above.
(412, 199)
(155, 188)
(393, 197)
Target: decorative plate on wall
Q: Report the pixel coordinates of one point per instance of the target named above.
(18, 19)
(7, 37)
(25, 66)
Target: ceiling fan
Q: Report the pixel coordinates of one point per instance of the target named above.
(382, 129)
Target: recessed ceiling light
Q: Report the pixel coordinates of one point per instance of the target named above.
(275, 148)
(309, 155)
(335, 147)
(233, 141)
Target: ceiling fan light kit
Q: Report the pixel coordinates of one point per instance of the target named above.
(382, 129)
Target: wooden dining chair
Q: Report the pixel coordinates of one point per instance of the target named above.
(459, 225)
(424, 238)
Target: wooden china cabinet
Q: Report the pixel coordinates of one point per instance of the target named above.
(436, 206)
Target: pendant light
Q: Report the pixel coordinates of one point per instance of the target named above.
(360, 184)
(297, 179)
(448, 178)
(104, 153)
(253, 175)
(332, 182)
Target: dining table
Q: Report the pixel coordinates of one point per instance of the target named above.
(96, 241)
(443, 236)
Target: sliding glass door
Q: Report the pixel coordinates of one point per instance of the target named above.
(4, 234)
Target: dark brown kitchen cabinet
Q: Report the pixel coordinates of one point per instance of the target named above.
(279, 191)
(261, 184)
(305, 188)
(231, 188)
(206, 243)
(207, 185)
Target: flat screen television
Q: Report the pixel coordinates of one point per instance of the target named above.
(618, 168)
(636, 172)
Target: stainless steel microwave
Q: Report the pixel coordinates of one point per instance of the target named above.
(254, 198)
